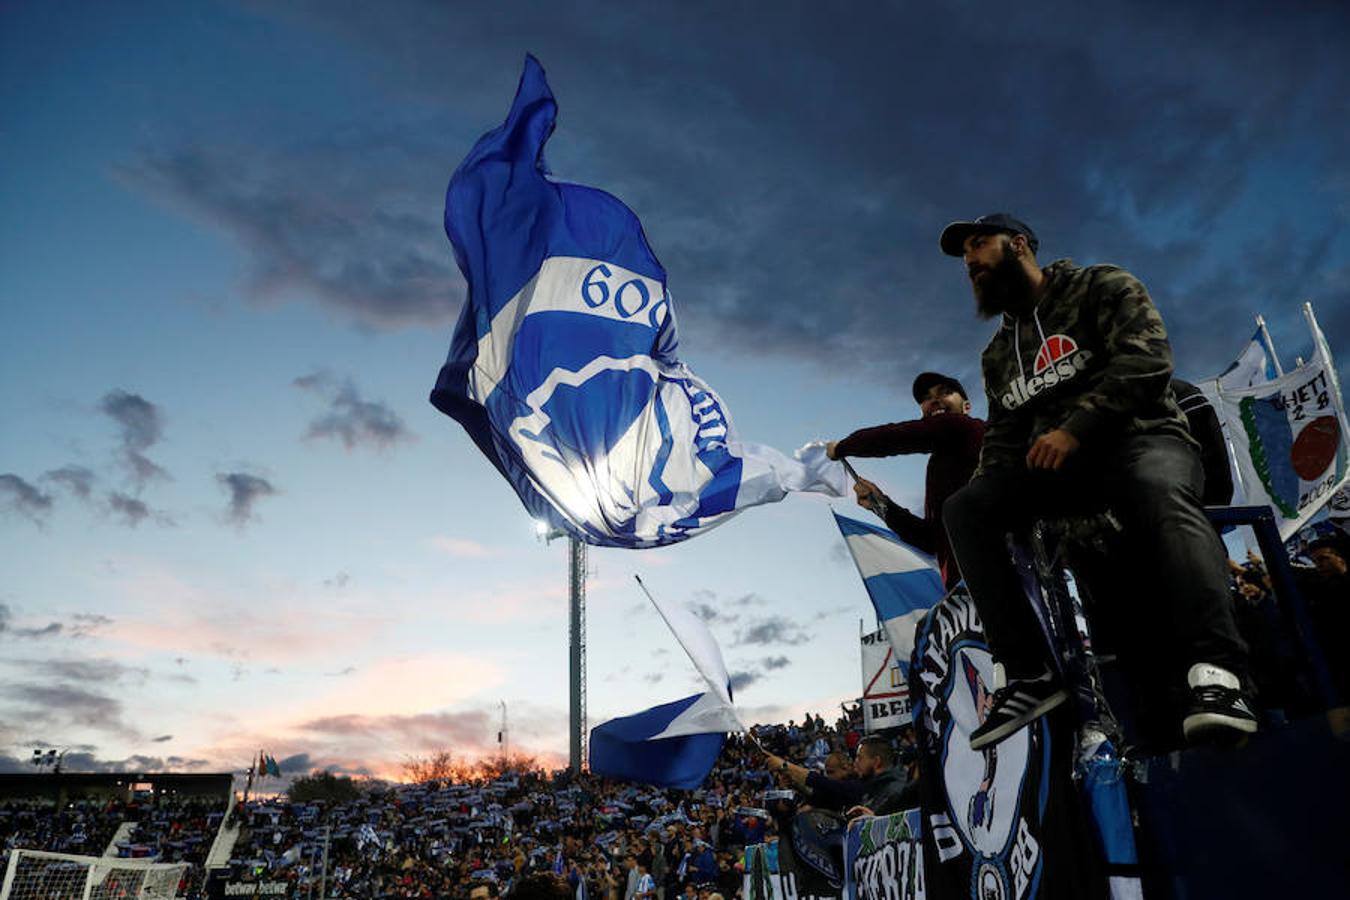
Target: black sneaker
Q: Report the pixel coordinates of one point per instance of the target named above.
(1022, 701)
(1218, 706)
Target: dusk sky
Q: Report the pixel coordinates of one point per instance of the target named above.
(229, 517)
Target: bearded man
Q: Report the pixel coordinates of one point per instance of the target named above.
(1081, 418)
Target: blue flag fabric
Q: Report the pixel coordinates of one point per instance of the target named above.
(903, 583)
(631, 749)
(562, 367)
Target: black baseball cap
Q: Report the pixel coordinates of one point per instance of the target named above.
(954, 236)
(924, 383)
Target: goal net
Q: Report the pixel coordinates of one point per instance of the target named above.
(38, 875)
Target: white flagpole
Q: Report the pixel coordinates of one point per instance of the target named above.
(1320, 348)
(1270, 345)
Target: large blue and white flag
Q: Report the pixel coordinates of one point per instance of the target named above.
(903, 583)
(563, 366)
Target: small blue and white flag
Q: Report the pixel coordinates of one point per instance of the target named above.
(1254, 365)
(674, 744)
(903, 583)
(563, 369)
(654, 746)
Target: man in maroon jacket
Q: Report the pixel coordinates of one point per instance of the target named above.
(950, 436)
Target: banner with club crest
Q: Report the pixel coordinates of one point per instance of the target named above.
(1004, 822)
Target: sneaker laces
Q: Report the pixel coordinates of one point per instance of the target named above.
(1218, 695)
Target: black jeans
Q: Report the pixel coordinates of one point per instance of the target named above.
(1153, 484)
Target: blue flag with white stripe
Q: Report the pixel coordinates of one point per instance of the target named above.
(668, 745)
(562, 366)
(903, 583)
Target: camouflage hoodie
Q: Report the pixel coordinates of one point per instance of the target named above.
(1092, 358)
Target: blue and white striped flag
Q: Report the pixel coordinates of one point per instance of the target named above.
(902, 582)
(668, 745)
(674, 744)
(562, 367)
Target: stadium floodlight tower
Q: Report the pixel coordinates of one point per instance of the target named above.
(576, 631)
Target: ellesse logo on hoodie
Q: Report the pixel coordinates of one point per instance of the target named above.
(1059, 359)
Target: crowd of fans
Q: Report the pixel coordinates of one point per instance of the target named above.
(83, 827)
(164, 829)
(438, 839)
(180, 831)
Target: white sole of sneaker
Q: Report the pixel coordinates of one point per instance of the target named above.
(1202, 725)
(1008, 728)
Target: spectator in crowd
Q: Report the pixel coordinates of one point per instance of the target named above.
(949, 435)
(702, 865)
(646, 886)
(542, 886)
(607, 880)
(659, 865)
(1330, 555)
(631, 875)
(836, 789)
(1326, 588)
(1259, 622)
(885, 789)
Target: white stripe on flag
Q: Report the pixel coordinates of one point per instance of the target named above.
(709, 714)
(900, 631)
(875, 555)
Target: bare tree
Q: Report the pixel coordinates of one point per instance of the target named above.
(492, 767)
(439, 766)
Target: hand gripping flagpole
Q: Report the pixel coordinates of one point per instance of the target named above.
(877, 499)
